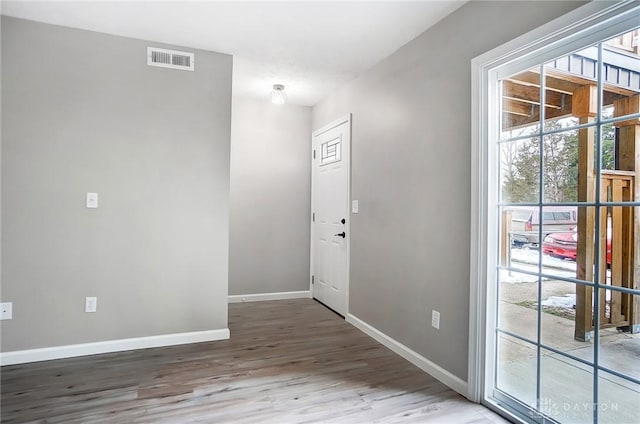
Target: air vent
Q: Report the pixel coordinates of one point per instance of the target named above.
(170, 59)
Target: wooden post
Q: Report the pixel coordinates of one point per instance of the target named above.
(585, 108)
(629, 160)
(505, 242)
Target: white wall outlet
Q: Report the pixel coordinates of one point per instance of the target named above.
(91, 304)
(435, 319)
(92, 200)
(6, 310)
(354, 206)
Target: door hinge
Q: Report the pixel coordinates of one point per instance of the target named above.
(314, 154)
(313, 279)
(313, 217)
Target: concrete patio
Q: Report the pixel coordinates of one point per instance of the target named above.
(566, 384)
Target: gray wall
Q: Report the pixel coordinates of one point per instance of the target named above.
(270, 197)
(81, 112)
(410, 171)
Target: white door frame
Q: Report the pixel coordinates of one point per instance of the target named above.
(593, 21)
(345, 119)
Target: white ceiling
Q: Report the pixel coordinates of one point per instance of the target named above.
(310, 47)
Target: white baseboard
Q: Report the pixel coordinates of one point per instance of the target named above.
(239, 298)
(415, 358)
(70, 351)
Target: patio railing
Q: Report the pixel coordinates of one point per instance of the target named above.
(615, 256)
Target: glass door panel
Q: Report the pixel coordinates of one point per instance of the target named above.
(567, 296)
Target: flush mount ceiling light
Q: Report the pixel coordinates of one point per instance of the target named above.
(278, 96)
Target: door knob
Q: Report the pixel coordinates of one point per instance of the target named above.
(342, 234)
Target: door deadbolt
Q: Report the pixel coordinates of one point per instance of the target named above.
(342, 234)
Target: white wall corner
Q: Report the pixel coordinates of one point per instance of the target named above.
(95, 348)
(415, 358)
(258, 297)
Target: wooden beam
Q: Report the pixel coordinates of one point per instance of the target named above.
(608, 98)
(519, 108)
(551, 83)
(512, 120)
(630, 150)
(585, 101)
(566, 76)
(505, 239)
(617, 271)
(586, 224)
(567, 83)
(531, 94)
(629, 160)
(630, 303)
(627, 106)
(585, 108)
(563, 86)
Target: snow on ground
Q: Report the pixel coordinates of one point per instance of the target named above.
(515, 277)
(527, 260)
(566, 301)
(530, 256)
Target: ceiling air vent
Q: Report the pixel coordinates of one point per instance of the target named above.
(170, 59)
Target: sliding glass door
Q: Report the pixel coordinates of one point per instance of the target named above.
(565, 314)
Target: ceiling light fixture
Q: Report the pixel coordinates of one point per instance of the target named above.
(278, 96)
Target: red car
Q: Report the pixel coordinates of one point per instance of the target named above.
(564, 245)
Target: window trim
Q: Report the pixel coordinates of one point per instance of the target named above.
(592, 22)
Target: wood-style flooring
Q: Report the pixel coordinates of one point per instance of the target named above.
(290, 361)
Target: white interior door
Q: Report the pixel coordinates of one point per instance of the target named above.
(330, 214)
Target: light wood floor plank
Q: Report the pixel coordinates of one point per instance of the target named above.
(290, 361)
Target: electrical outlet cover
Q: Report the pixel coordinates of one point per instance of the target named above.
(92, 200)
(435, 319)
(91, 304)
(6, 310)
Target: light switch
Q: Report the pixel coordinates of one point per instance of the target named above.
(354, 206)
(92, 200)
